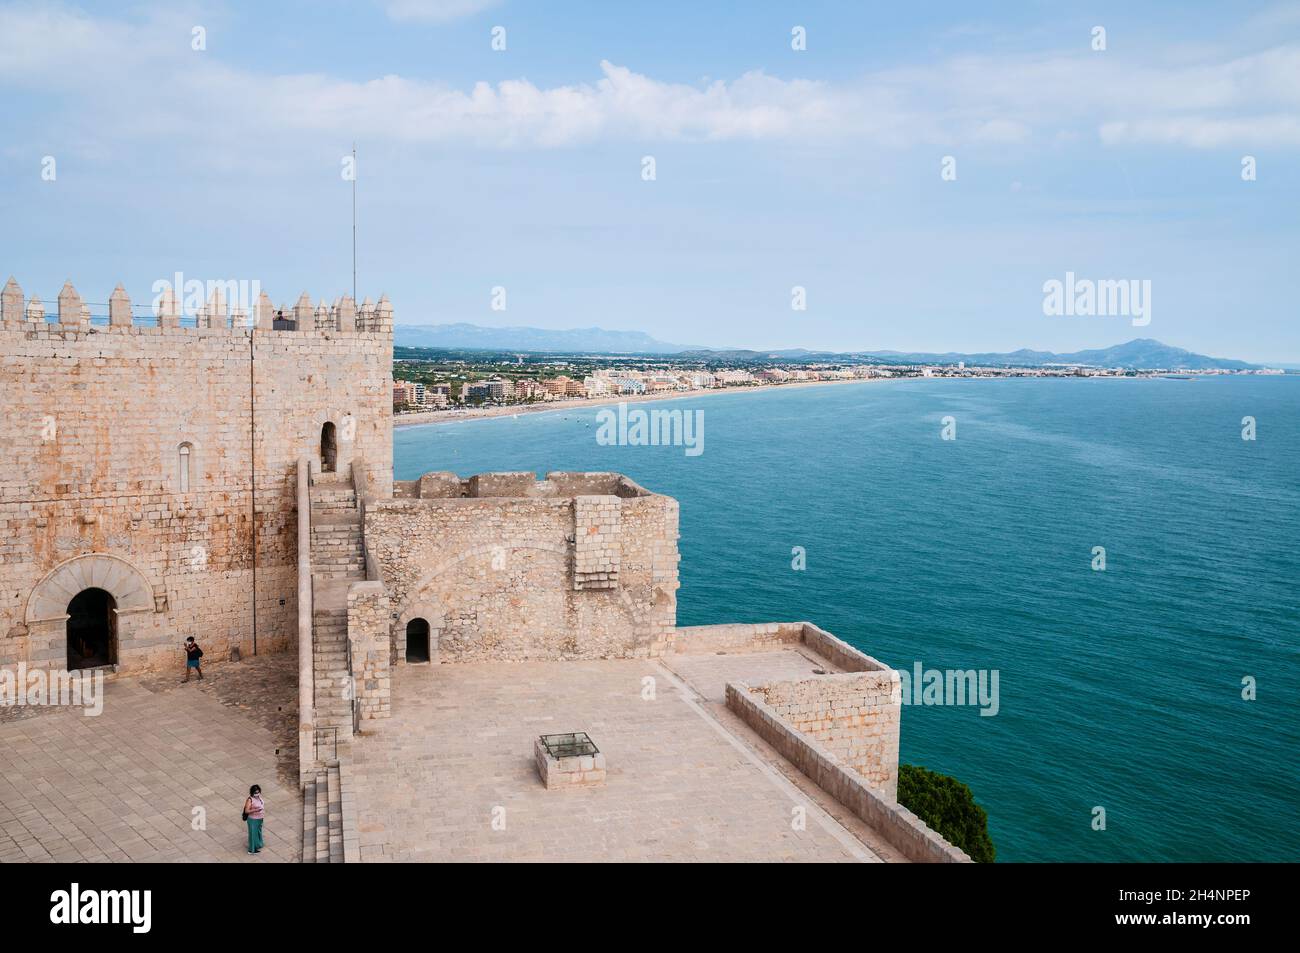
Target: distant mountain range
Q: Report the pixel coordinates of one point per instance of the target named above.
(1138, 353)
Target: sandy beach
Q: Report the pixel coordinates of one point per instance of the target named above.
(472, 413)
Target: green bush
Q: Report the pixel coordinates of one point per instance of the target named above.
(949, 808)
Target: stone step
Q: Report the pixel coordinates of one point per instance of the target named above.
(309, 822)
(335, 806)
(322, 819)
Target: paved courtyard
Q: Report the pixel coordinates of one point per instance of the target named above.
(451, 775)
(160, 775)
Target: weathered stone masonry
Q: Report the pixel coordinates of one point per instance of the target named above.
(504, 566)
(128, 465)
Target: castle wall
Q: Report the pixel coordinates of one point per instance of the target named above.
(855, 716)
(95, 418)
(495, 576)
(854, 713)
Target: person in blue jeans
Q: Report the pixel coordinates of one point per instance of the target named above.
(254, 814)
(193, 655)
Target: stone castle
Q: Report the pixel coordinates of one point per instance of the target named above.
(229, 475)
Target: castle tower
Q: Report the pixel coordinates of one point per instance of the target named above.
(149, 490)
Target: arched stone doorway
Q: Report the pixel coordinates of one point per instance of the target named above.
(92, 630)
(329, 448)
(417, 640)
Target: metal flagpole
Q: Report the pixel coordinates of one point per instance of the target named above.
(354, 221)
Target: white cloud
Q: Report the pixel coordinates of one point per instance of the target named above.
(1200, 132)
(1198, 101)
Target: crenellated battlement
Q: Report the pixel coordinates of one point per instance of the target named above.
(215, 313)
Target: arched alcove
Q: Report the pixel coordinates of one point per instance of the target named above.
(417, 640)
(329, 447)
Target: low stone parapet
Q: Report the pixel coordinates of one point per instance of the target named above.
(899, 826)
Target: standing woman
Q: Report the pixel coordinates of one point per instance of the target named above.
(254, 814)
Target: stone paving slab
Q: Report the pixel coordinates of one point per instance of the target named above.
(709, 674)
(124, 785)
(457, 756)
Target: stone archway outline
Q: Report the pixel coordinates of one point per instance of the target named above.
(121, 579)
(417, 607)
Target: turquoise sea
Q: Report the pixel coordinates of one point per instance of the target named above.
(1120, 689)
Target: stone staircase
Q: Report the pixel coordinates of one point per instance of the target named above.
(336, 551)
(322, 818)
(337, 561)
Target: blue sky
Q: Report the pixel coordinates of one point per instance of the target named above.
(775, 168)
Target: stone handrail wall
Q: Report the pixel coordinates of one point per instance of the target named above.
(368, 620)
(899, 826)
(306, 674)
(368, 643)
(365, 498)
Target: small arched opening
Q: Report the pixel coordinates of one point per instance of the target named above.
(92, 630)
(184, 454)
(329, 447)
(417, 640)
